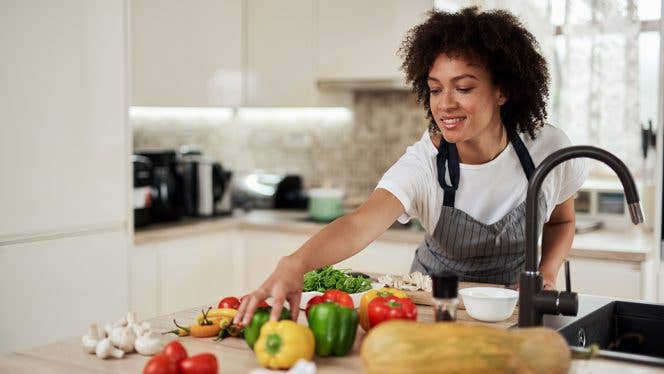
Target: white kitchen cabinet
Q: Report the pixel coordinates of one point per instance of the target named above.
(360, 39)
(54, 289)
(64, 148)
(382, 257)
(262, 251)
(186, 54)
(144, 280)
(196, 271)
(280, 50)
(171, 275)
(619, 279)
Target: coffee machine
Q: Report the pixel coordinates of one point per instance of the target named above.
(204, 184)
(165, 185)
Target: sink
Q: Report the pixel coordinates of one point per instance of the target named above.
(622, 330)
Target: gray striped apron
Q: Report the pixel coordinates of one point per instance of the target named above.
(475, 251)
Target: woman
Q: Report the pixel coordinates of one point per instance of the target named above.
(484, 86)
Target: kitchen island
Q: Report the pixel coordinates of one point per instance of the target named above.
(233, 355)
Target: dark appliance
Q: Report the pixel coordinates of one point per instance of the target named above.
(142, 195)
(167, 198)
(290, 194)
(204, 183)
(260, 190)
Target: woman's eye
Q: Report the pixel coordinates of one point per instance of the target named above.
(434, 91)
(465, 90)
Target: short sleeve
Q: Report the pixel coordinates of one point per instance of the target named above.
(574, 174)
(405, 180)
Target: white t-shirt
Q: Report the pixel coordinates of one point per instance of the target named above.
(487, 192)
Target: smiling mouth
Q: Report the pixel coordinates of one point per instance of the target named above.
(452, 122)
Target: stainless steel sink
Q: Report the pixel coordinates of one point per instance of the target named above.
(623, 330)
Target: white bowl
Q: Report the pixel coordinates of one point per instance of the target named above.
(489, 304)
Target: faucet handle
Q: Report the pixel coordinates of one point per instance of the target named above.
(568, 281)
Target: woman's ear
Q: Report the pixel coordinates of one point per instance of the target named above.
(501, 98)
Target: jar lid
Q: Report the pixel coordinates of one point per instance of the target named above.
(445, 285)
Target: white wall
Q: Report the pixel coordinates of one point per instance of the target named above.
(64, 167)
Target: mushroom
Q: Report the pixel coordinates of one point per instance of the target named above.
(123, 338)
(92, 338)
(148, 343)
(105, 350)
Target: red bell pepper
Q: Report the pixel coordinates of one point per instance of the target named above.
(391, 307)
(340, 297)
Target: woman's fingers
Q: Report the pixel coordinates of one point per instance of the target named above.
(249, 306)
(277, 305)
(294, 301)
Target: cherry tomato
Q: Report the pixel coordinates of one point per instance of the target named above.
(260, 305)
(160, 364)
(229, 302)
(175, 352)
(202, 363)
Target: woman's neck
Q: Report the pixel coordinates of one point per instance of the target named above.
(485, 147)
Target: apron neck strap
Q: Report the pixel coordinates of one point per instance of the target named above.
(447, 160)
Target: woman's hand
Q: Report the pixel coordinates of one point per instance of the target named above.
(548, 284)
(285, 283)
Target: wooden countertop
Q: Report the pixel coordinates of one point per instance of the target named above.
(232, 354)
(625, 244)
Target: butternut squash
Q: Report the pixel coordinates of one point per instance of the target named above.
(413, 347)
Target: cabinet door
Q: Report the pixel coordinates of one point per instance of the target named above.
(603, 278)
(54, 289)
(196, 271)
(262, 252)
(64, 158)
(382, 257)
(186, 54)
(280, 53)
(144, 280)
(360, 39)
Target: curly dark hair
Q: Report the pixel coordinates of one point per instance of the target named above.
(497, 41)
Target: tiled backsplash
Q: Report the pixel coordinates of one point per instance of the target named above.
(349, 153)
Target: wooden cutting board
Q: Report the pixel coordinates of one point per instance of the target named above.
(425, 298)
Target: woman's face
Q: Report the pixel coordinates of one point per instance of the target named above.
(463, 100)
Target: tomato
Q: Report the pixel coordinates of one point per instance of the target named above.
(262, 304)
(391, 307)
(160, 364)
(202, 363)
(229, 302)
(313, 301)
(340, 297)
(175, 352)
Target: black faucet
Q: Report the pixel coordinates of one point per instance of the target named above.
(533, 301)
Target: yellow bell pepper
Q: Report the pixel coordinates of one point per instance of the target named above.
(370, 295)
(282, 343)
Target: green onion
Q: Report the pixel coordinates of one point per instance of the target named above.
(328, 278)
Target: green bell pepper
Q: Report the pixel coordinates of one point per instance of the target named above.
(334, 327)
(253, 330)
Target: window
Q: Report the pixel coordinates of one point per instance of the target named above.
(604, 60)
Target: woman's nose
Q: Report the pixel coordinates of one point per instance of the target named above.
(447, 100)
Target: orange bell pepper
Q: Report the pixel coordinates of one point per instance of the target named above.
(372, 294)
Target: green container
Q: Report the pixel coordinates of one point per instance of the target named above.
(325, 204)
